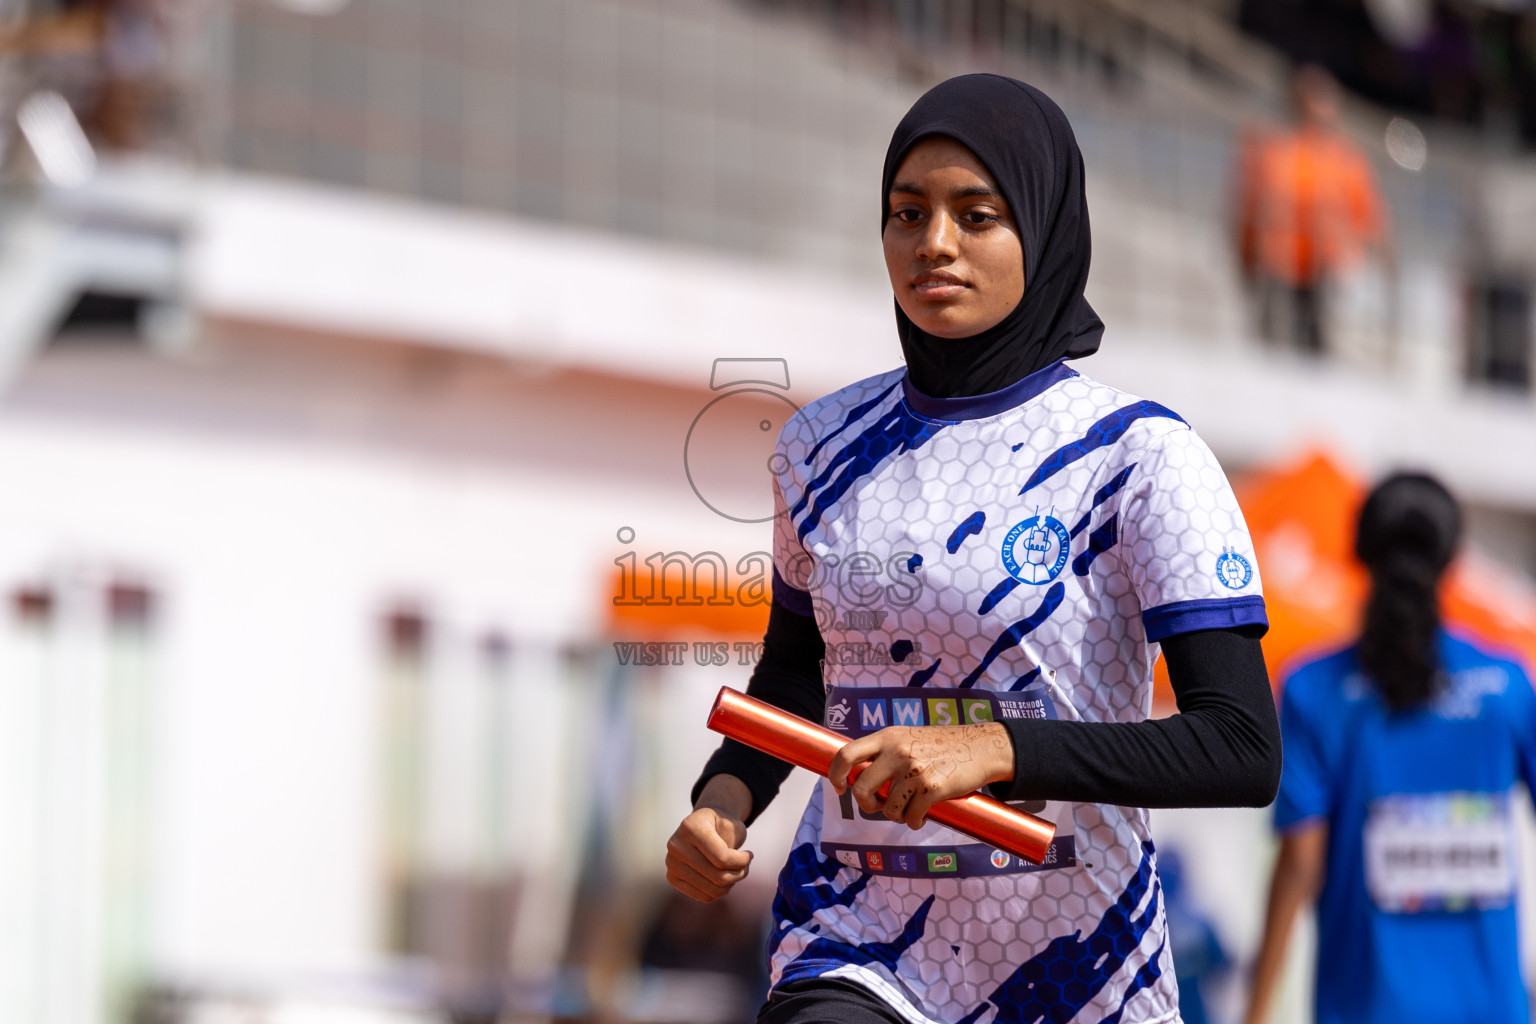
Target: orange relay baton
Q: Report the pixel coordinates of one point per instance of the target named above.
(809, 746)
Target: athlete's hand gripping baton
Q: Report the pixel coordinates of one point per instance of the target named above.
(809, 746)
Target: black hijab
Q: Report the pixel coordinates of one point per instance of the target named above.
(1024, 141)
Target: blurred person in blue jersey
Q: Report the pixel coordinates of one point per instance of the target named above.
(1394, 805)
(1200, 959)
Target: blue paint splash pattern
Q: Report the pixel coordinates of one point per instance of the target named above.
(824, 954)
(1103, 494)
(1055, 984)
(972, 526)
(895, 432)
(997, 593)
(1018, 631)
(805, 888)
(1025, 679)
(852, 418)
(1099, 541)
(922, 675)
(1106, 431)
(1145, 978)
(901, 650)
(914, 563)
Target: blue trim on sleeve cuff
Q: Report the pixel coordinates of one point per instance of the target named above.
(1212, 613)
(792, 598)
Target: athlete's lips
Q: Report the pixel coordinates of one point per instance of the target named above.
(937, 285)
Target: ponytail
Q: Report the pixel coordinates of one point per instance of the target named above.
(1408, 531)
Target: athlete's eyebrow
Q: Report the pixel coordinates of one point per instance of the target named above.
(909, 188)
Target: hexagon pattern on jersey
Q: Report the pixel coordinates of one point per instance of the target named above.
(1012, 553)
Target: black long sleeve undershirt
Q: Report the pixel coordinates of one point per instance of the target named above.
(1221, 750)
(788, 676)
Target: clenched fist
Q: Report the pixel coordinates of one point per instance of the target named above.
(924, 765)
(704, 855)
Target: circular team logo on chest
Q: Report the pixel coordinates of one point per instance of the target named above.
(1035, 550)
(1233, 571)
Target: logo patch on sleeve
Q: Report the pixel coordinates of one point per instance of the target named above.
(1233, 571)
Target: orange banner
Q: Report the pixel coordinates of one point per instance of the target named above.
(1302, 518)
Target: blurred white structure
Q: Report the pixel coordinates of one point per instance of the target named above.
(420, 337)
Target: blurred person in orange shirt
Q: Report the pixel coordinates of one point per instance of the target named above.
(1308, 209)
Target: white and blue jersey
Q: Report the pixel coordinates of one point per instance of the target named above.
(1018, 554)
(1416, 920)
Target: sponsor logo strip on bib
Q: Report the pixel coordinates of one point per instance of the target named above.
(856, 711)
(962, 861)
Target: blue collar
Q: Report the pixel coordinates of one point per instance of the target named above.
(975, 407)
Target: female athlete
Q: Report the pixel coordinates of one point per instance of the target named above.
(1025, 540)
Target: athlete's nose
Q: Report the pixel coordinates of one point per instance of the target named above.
(940, 240)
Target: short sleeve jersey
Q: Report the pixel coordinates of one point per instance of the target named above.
(1417, 919)
(1018, 554)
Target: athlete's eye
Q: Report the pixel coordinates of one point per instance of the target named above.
(979, 218)
(907, 215)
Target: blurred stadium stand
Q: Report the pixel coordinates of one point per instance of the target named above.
(355, 336)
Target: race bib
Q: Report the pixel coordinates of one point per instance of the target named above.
(874, 843)
(1439, 852)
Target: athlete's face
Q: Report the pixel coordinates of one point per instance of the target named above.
(951, 247)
